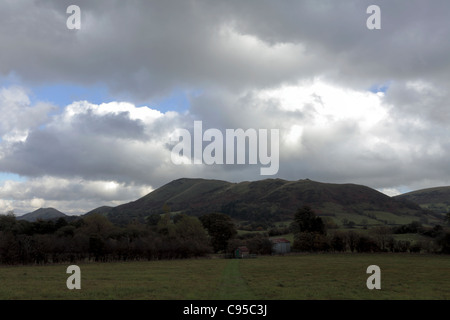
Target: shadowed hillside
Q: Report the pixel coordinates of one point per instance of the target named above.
(436, 199)
(42, 214)
(268, 200)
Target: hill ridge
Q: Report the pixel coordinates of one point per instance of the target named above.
(436, 199)
(272, 199)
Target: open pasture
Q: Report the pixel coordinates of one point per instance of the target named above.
(293, 277)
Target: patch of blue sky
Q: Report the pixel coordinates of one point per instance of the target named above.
(64, 94)
(60, 95)
(10, 79)
(6, 176)
(376, 88)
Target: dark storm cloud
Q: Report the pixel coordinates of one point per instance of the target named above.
(144, 49)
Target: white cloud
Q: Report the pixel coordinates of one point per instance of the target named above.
(18, 115)
(71, 196)
(391, 192)
(145, 114)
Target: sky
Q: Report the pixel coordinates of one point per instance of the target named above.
(87, 115)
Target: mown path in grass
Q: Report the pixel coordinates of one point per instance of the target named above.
(232, 286)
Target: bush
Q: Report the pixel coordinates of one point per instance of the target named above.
(338, 242)
(402, 246)
(444, 243)
(366, 244)
(311, 242)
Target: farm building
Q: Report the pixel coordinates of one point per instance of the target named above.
(241, 252)
(281, 246)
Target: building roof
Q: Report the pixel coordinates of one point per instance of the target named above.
(280, 240)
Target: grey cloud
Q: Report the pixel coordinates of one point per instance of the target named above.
(424, 101)
(143, 49)
(17, 113)
(89, 156)
(114, 126)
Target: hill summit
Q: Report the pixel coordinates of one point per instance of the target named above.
(43, 214)
(267, 200)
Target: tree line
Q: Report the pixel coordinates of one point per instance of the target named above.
(169, 236)
(95, 238)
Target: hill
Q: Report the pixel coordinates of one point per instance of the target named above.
(103, 210)
(42, 213)
(271, 200)
(435, 199)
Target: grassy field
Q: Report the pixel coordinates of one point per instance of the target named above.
(297, 277)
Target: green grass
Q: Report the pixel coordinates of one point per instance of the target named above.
(343, 276)
(176, 279)
(441, 206)
(298, 277)
(289, 236)
(232, 284)
(411, 237)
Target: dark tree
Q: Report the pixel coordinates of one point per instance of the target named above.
(153, 219)
(305, 220)
(97, 246)
(220, 228)
(8, 222)
(338, 242)
(443, 242)
(366, 244)
(61, 222)
(309, 231)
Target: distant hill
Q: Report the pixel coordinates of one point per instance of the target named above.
(100, 210)
(436, 199)
(42, 213)
(271, 200)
